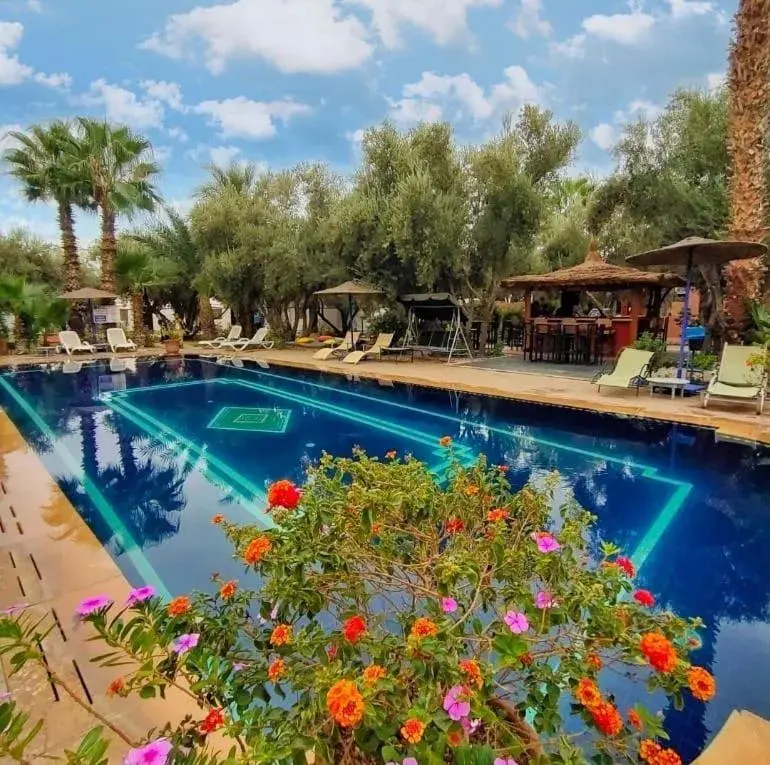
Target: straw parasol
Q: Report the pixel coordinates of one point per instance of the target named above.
(351, 289)
(88, 294)
(696, 251)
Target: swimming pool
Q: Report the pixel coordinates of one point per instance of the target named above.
(149, 451)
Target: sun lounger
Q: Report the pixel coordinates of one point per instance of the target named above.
(116, 338)
(631, 370)
(259, 341)
(382, 341)
(735, 379)
(348, 344)
(235, 333)
(72, 343)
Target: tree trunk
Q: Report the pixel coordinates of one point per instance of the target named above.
(108, 248)
(69, 247)
(749, 80)
(206, 316)
(137, 314)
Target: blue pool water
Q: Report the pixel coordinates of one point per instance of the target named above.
(149, 451)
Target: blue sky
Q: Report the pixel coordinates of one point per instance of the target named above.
(282, 81)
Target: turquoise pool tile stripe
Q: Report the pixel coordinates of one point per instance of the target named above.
(114, 522)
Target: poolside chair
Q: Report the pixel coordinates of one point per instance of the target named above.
(347, 345)
(72, 343)
(382, 341)
(736, 379)
(235, 333)
(259, 341)
(117, 340)
(631, 369)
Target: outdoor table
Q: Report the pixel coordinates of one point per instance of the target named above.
(673, 383)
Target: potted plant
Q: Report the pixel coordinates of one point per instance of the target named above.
(173, 343)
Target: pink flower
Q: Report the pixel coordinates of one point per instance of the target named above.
(448, 605)
(11, 610)
(238, 666)
(410, 761)
(505, 761)
(274, 612)
(470, 726)
(140, 594)
(456, 702)
(546, 543)
(92, 605)
(516, 621)
(185, 643)
(154, 753)
(545, 600)
(4, 696)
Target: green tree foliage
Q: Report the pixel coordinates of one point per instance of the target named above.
(27, 256)
(33, 308)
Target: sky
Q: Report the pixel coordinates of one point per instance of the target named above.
(282, 81)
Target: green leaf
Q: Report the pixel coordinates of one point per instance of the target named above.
(390, 754)
(148, 692)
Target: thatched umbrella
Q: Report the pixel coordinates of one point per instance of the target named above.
(88, 294)
(696, 251)
(352, 289)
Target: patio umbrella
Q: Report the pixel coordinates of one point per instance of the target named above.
(696, 251)
(352, 289)
(88, 294)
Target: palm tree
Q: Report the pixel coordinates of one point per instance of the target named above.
(45, 164)
(121, 173)
(749, 83)
(33, 309)
(239, 177)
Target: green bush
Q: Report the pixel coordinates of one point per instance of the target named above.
(648, 342)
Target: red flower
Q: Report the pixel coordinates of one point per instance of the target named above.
(179, 606)
(644, 598)
(214, 720)
(281, 635)
(412, 730)
(455, 737)
(284, 494)
(391, 455)
(227, 590)
(445, 441)
(588, 694)
(649, 751)
(455, 525)
(503, 469)
(117, 687)
(217, 519)
(595, 662)
(331, 652)
(526, 659)
(659, 651)
(354, 629)
(634, 720)
(498, 514)
(276, 670)
(607, 718)
(625, 566)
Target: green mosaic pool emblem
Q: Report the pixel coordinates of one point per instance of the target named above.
(251, 419)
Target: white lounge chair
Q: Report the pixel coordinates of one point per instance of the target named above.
(735, 379)
(347, 345)
(259, 341)
(631, 370)
(382, 341)
(117, 340)
(72, 343)
(218, 342)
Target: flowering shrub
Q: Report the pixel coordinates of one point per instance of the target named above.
(404, 621)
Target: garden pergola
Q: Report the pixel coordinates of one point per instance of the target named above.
(352, 289)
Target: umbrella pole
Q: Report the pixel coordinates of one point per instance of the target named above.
(350, 319)
(685, 316)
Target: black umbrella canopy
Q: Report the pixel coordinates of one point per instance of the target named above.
(696, 250)
(87, 293)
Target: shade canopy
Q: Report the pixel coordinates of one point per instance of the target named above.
(353, 287)
(593, 273)
(87, 293)
(696, 250)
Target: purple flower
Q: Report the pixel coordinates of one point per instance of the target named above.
(545, 600)
(92, 605)
(410, 761)
(140, 594)
(456, 704)
(185, 643)
(11, 610)
(154, 753)
(4, 696)
(448, 605)
(505, 761)
(470, 726)
(238, 666)
(516, 621)
(274, 612)
(546, 543)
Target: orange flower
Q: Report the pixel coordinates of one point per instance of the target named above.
(445, 441)
(649, 751)
(391, 455)
(526, 659)
(587, 693)
(472, 671)
(376, 528)
(634, 720)
(227, 590)
(498, 514)
(454, 525)
(214, 719)
(659, 651)
(607, 718)
(472, 490)
(668, 757)
(354, 629)
(281, 635)
(276, 670)
(423, 628)
(284, 494)
(412, 730)
(702, 683)
(455, 736)
(373, 673)
(217, 519)
(117, 687)
(345, 703)
(595, 662)
(179, 606)
(257, 549)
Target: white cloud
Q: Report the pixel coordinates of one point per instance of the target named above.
(7, 141)
(529, 22)
(240, 117)
(169, 93)
(293, 35)
(573, 47)
(178, 134)
(356, 138)
(427, 99)
(622, 28)
(604, 135)
(444, 20)
(58, 80)
(685, 9)
(12, 71)
(639, 108)
(163, 153)
(35, 6)
(217, 155)
(121, 105)
(715, 80)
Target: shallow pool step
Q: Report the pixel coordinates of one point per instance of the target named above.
(743, 740)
